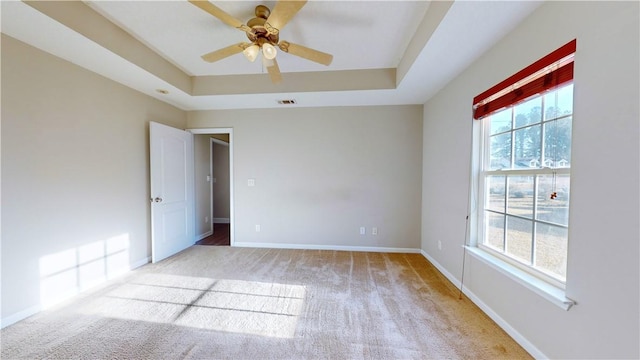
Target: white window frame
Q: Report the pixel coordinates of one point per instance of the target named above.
(483, 141)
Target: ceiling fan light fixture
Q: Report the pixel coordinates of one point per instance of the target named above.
(251, 52)
(263, 34)
(269, 51)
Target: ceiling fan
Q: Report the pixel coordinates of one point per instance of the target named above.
(263, 32)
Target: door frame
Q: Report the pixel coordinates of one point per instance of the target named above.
(212, 142)
(211, 131)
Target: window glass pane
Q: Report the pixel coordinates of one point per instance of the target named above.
(500, 150)
(559, 103)
(527, 150)
(520, 196)
(495, 200)
(519, 239)
(553, 210)
(521, 218)
(557, 138)
(529, 112)
(500, 121)
(565, 100)
(494, 230)
(551, 250)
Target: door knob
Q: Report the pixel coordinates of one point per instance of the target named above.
(158, 199)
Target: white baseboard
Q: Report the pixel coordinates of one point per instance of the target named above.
(23, 314)
(141, 262)
(444, 271)
(202, 236)
(116, 273)
(326, 247)
(221, 220)
(19, 316)
(521, 340)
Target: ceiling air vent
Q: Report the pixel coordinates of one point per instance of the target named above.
(287, 102)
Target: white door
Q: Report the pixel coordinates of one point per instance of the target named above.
(172, 194)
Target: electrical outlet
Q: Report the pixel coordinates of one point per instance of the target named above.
(257, 228)
(374, 231)
(363, 230)
(439, 245)
(251, 182)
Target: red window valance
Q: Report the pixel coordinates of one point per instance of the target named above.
(547, 73)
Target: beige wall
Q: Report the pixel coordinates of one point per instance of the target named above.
(322, 173)
(202, 166)
(75, 178)
(603, 259)
(221, 186)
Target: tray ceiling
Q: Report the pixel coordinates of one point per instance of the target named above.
(385, 52)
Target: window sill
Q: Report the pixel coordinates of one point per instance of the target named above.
(549, 292)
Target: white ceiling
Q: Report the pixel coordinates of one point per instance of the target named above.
(359, 34)
(351, 30)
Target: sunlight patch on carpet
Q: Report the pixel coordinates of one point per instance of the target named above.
(237, 306)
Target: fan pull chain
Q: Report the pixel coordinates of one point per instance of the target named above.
(554, 193)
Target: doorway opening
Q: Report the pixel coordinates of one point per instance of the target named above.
(214, 186)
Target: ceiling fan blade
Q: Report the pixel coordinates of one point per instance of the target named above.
(221, 14)
(273, 70)
(225, 52)
(307, 53)
(281, 14)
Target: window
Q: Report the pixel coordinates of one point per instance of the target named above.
(525, 166)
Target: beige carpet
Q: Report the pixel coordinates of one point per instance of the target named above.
(239, 303)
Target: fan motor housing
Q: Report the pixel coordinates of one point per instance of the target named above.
(262, 12)
(259, 31)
